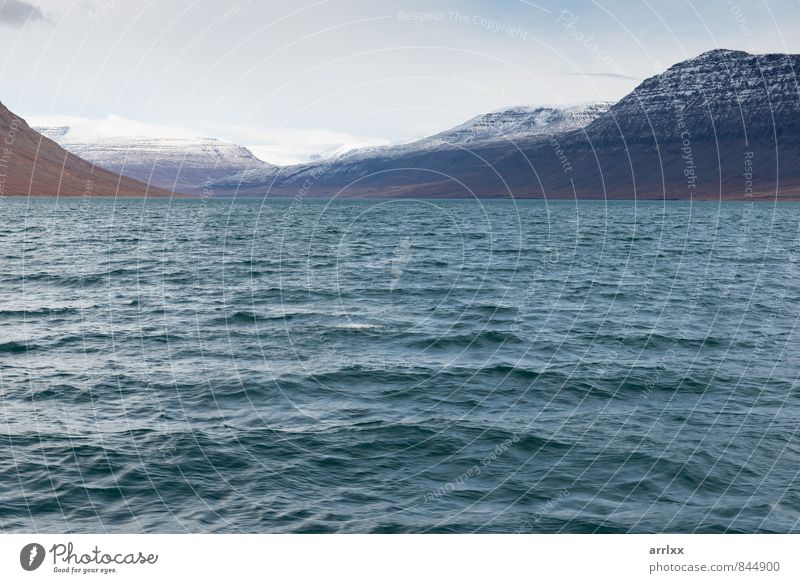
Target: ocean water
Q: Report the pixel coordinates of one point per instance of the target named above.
(398, 366)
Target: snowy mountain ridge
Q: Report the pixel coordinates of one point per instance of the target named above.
(183, 164)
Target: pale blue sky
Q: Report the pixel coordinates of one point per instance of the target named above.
(294, 71)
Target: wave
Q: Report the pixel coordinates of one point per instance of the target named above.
(16, 347)
(483, 339)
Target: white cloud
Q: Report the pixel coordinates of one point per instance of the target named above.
(283, 146)
(83, 129)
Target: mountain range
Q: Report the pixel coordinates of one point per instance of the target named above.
(503, 125)
(723, 125)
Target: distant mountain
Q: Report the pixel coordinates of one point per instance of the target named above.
(33, 165)
(174, 163)
(725, 124)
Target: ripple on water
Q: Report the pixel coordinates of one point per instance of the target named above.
(448, 366)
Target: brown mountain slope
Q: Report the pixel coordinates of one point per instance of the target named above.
(32, 165)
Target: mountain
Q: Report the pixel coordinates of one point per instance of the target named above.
(172, 163)
(523, 120)
(504, 125)
(719, 94)
(33, 165)
(722, 125)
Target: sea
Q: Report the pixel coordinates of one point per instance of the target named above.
(398, 366)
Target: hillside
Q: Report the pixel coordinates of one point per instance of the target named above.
(33, 165)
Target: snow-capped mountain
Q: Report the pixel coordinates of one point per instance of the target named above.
(180, 164)
(718, 94)
(523, 120)
(505, 124)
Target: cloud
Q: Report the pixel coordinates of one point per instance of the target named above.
(86, 130)
(612, 75)
(18, 12)
(285, 146)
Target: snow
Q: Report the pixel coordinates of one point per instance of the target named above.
(181, 163)
(148, 150)
(503, 124)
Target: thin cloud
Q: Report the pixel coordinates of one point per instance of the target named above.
(287, 146)
(612, 75)
(83, 130)
(17, 12)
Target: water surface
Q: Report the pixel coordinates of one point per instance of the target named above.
(398, 366)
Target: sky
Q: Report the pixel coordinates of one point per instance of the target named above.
(292, 79)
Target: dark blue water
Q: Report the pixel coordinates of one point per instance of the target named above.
(406, 366)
